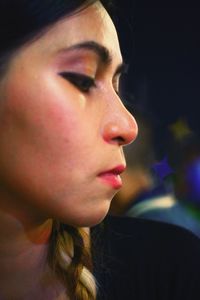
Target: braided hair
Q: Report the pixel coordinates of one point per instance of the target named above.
(70, 259)
(22, 21)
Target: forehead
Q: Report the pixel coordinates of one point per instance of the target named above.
(92, 23)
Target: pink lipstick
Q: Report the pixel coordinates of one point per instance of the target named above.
(112, 176)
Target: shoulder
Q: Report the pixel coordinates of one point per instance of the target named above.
(147, 230)
(151, 239)
(144, 258)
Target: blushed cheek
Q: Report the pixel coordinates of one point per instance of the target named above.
(44, 134)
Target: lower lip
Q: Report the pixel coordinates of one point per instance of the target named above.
(112, 179)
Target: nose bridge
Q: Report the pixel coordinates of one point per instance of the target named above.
(120, 125)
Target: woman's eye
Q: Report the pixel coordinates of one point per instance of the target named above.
(83, 82)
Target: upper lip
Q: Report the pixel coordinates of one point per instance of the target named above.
(116, 170)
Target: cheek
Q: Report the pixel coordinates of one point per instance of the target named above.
(45, 135)
(48, 139)
(47, 112)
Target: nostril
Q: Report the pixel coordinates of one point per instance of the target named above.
(121, 128)
(119, 140)
(123, 134)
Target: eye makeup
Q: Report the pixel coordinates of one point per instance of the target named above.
(83, 82)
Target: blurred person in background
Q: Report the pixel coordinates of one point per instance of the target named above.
(184, 157)
(152, 190)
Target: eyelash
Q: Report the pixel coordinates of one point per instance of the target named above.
(83, 82)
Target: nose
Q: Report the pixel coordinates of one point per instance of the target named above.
(120, 126)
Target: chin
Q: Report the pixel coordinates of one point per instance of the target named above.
(89, 219)
(97, 220)
(97, 216)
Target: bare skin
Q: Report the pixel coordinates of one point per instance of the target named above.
(54, 141)
(135, 182)
(24, 272)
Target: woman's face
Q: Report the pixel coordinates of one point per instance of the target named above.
(62, 124)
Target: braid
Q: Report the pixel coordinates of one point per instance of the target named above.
(70, 259)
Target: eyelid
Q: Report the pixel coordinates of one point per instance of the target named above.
(82, 81)
(75, 74)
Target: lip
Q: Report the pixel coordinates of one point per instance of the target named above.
(112, 176)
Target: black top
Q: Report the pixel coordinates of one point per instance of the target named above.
(142, 260)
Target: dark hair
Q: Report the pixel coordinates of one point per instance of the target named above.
(21, 21)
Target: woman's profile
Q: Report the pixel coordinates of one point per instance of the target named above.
(62, 128)
(62, 132)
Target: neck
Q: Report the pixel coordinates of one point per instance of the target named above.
(23, 259)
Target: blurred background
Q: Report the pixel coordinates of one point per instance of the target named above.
(160, 41)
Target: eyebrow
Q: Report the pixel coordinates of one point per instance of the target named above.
(102, 52)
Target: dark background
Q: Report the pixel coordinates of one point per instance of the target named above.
(161, 43)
